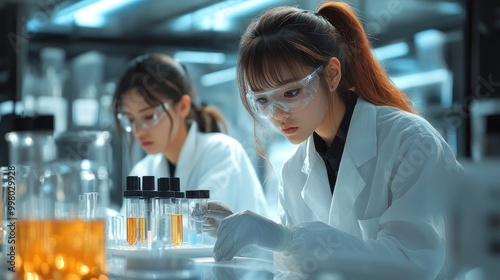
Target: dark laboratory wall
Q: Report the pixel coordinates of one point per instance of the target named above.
(8, 67)
(10, 45)
(486, 46)
(482, 58)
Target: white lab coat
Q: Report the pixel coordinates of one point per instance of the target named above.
(215, 162)
(385, 205)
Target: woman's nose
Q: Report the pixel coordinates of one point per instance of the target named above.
(279, 113)
(138, 129)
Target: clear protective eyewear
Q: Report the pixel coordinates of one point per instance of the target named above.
(290, 97)
(146, 122)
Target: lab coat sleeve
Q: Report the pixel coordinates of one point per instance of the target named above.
(409, 233)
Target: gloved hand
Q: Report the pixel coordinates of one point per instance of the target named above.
(246, 228)
(216, 212)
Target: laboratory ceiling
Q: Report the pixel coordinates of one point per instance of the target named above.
(214, 23)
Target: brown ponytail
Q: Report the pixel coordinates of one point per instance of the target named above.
(209, 119)
(362, 73)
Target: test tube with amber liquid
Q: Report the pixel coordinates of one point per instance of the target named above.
(176, 226)
(132, 201)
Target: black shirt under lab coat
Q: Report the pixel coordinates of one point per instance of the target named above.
(333, 154)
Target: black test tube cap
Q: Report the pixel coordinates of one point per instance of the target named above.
(148, 183)
(148, 187)
(163, 184)
(198, 194)
(133, 183)
(133, 186)
(175, 184)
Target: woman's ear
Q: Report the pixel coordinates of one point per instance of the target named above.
(184, 106)
(333, 73)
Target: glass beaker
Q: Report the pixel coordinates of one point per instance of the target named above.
(52, 240)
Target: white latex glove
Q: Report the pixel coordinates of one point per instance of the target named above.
(247, 228)
(216, 212)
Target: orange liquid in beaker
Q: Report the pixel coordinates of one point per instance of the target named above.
(176, 229)
(60, 249)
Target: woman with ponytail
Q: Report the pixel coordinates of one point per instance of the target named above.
(367, 177)
(154, 104)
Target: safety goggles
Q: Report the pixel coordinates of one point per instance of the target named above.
(290, 97)
(145, 122)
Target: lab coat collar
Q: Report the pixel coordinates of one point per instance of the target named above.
(360, 147)
(361, 139)
(362, 136)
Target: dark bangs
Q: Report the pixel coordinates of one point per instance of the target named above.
(134, 82)
(265, 61)
(150, 94)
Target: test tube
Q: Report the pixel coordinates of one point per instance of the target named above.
(88, 205)
(197, 202)
(148, 192)
(176, 225)
(132, 195)
(115, 231)
(161, 213)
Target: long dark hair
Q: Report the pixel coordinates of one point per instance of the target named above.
(158, 76)
(291, 38)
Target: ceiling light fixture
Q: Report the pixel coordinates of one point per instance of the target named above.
(218, 16)
(200, 57)
(89, 13)
(218, 77)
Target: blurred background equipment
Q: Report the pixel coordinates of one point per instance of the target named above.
(475, 209)
(63, 57)
(74, 51)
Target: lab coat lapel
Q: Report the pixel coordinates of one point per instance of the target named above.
(316, 191)
(361, 146)
(347, 188)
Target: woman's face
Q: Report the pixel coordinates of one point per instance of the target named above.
(295, 122)
(158, 129)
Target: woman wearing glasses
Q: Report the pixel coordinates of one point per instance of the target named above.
(366, 179)
(153, 102)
